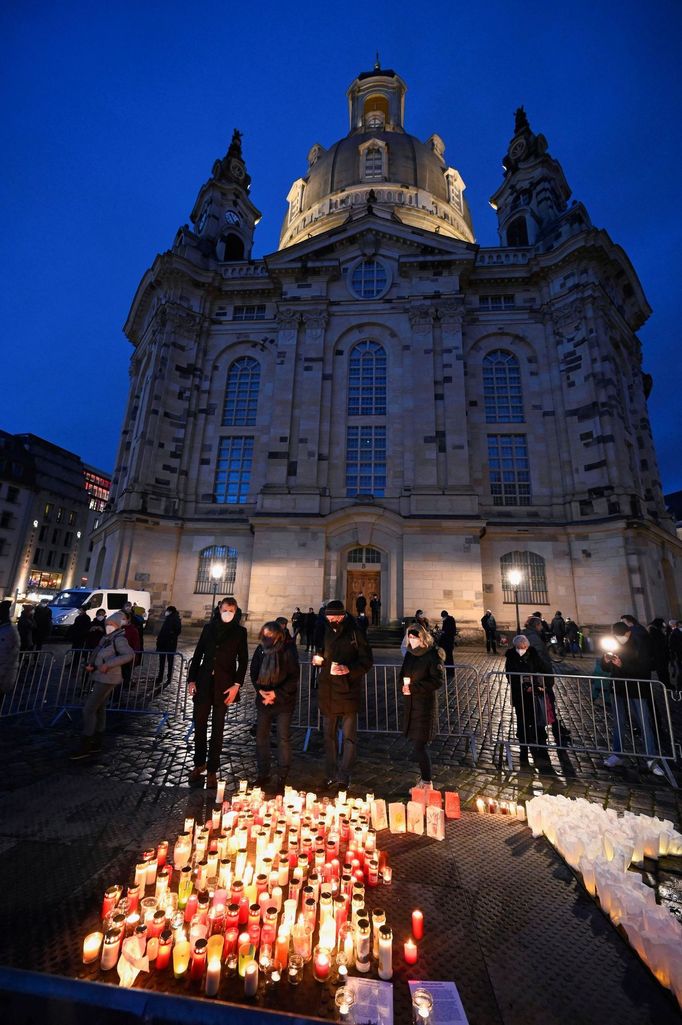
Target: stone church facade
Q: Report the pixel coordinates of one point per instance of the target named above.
(382, 404)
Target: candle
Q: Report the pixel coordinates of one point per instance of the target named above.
(411, 952)
(220, 792)
(247, 952)
(282, 946)
(184, 886)
(417, 924)
(214, 948)
(521, 812)
(251, 979)
(91, 947)
(111, 899)
(213, 977)
(492, 805)
(181, 952)
(150, 874)
(387, 874)
(344, 1001)
(378, 919)
(385, 967)
(231, 943)
(295, 969)
(362, 945)
(196, 970)
(480, 805)
(321, 963)
(191, 907)
(110, 950)
(164, 952)
(141, 875)
(162, 853)
(422, 1004)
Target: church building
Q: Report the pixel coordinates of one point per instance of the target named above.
(384, 405)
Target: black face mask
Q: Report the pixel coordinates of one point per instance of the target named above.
(267, 642)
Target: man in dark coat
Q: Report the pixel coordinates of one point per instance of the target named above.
(360, 604)
(43, 621)
(216, 674)
(345, 658)
(310, 623)
(489, 624)
(274, 674)
(167, 641)
(641, 640)
(558, 628)
(79, 630)
(524, 666)
(375, 606)
(446, 639)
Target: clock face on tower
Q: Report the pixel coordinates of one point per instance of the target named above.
(231, 217)
(236, 170)
(518, 149)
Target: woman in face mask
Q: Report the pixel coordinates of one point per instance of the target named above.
(422, 674)
(274, 674)
(523, 665)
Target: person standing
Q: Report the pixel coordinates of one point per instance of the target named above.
(136, 620)
(79, 630)
(446, 638)
(660, 654)
(344, 658)
(274, 673)
(360, 604)
(297, 625)
(167, 643)
(572, 632)
(424, 666)
(96, 631)
(43, 621)
(375, 608)
(215, 676)
(558, 628)
(135, 641)
(310, 624)
(675, 649)
(9, 649)
(26, 625)
(489, 624)
(524, 667)
(104, 666)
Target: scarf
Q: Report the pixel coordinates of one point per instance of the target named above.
(270, 672)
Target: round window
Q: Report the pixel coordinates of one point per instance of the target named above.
(369, 279)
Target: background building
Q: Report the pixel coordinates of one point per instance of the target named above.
(49, 504)
(383, 404)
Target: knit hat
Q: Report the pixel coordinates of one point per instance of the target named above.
(335, 607)
(117, 619)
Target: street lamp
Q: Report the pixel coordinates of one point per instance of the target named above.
(514, 578)
(217, 573)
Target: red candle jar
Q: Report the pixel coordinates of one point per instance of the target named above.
(232, 916)
(165, 947)
(254, 934)
(243, 911)
(231, 943)
(216, 919)
(133, 897)
(111, 898)
(162, 853)
(191, 907)
(196, 971)
(411, 952)
(417, 924)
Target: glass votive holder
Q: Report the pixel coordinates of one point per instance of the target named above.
(295, 969)
(322, 962)
(387, 874)
(344, 1000)
(422, 1006)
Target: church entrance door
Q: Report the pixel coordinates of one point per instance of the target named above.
(366, 580)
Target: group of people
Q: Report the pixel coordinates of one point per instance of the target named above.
(564, 633)
(624, 686)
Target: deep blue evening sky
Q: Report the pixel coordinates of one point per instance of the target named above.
(116, 112)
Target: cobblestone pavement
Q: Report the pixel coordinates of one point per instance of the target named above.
(508, 905)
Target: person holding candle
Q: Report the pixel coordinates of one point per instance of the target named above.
(424, 667)
(274, 674)
(105, 670)
(344, 657)
(216, 673)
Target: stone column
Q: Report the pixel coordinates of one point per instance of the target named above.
(309, 397)
(420, 456)
(450, 398)
(279, 441)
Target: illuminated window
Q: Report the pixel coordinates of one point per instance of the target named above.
(367, 380)
(216, 555)
(365, 460)
(364, 555)
(509, 469)
(241, 393)
(369, 279)
(233, 470)
(533, 586)
(502, 388)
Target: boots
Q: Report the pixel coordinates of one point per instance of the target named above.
(211, 780)
(196, 776)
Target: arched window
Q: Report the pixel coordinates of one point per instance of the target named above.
(367, 380)
(502, 388)
(241, 393)
(509, 469)
(517, 232)
(532, 589)
(374, 163)
(234, 248)
(221, 558)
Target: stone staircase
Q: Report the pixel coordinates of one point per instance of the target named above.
(389, 635)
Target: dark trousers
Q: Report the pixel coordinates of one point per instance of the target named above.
(420, 754)
(349, 727)
(205, 705)
(375, 617)
(490, 643)
(162, 663)
(266, 715)
(310, 639)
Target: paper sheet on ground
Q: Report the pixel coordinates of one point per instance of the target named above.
(373, 1001)
(447, 1006)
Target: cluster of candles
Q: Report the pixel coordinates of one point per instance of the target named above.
(247, 891)
(491, 806)
(602, 845)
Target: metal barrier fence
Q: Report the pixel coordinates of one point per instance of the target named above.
(29, 689)
(612, 718)
(152, 687)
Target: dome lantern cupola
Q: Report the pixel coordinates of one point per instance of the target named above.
(376, 101)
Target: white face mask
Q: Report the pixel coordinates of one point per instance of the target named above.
(110, 628)
(413, 642)
(522, 651)
(227, 615)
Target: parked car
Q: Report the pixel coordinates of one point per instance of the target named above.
(66, 605)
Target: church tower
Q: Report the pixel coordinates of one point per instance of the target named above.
(223, 216)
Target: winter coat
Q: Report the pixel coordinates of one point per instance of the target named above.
(426, 671)
(9, 656)
(43, 621)
(113, 651)
(675, 646)
(79, 631)
(537, 644)
(220, 658)
(529, 693)
(342, 695)
(558, 628)
(286, 687)
(571, 631)
(95, 635)
(171, 628)
(448, 632)
(489, 623)
(660, 654)
(27, 628)
(360, 604)
(634, 666)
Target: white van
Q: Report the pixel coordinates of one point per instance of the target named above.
(66, 605)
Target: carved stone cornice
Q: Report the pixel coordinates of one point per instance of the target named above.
(451, 314)
(315, 320)
(287, 317)
(421, 317)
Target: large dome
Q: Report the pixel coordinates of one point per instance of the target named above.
(408, 178)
